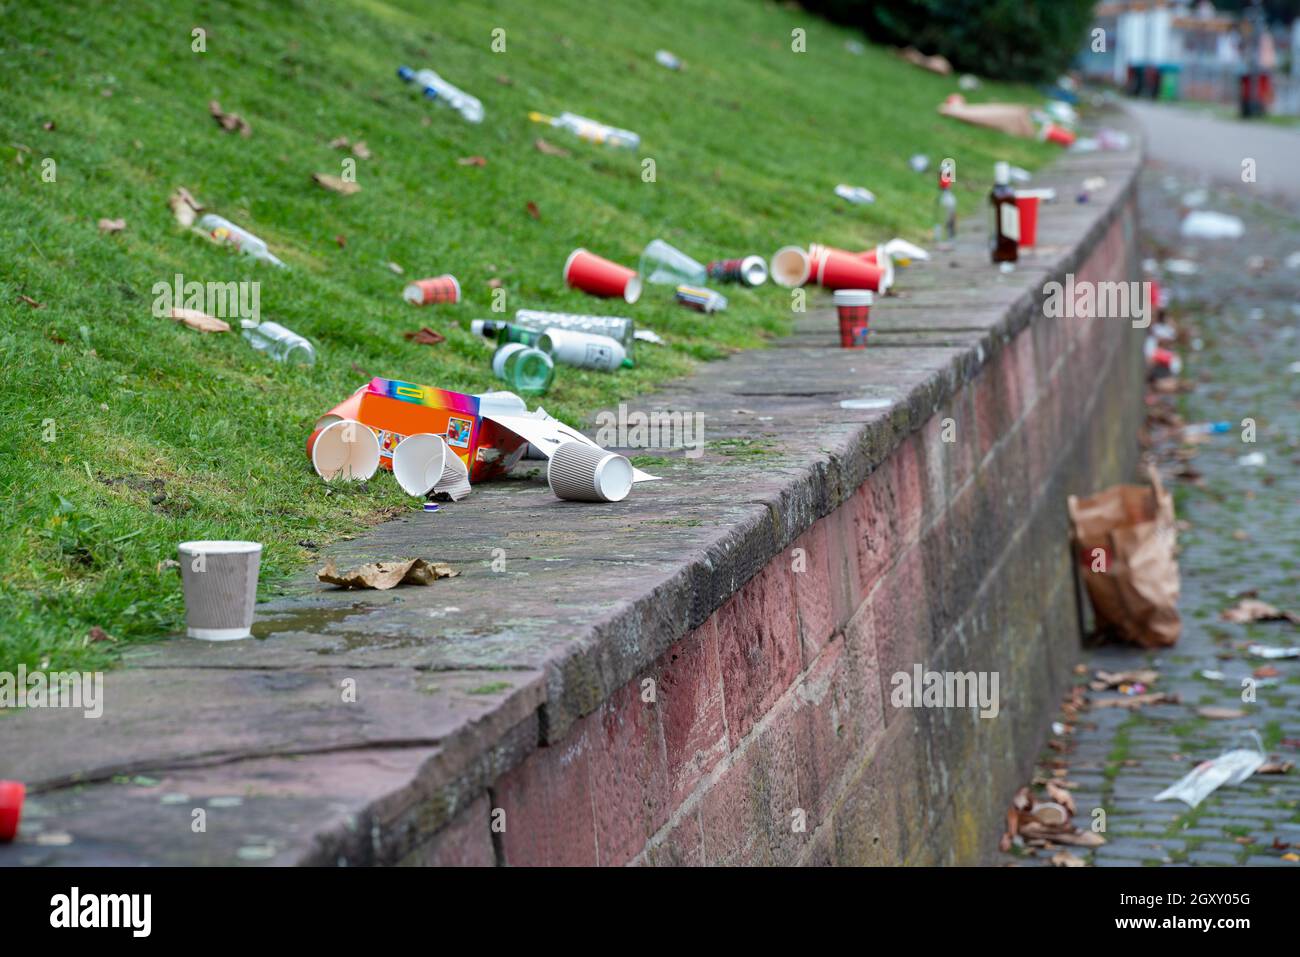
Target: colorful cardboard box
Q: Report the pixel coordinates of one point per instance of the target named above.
(393, 410)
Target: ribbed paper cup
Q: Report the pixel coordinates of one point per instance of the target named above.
(418, 462)
(220, 583)
(347, 450)
(585, 473)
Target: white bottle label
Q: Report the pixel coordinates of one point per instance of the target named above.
(1010, 214)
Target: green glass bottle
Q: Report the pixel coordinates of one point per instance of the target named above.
(528, 370)
(504, 332)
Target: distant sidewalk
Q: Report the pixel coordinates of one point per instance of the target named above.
(1203, 144)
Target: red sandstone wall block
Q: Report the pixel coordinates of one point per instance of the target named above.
(758, 642)
(810, 572)
(547, 802)
(465, 842)
(689, 690)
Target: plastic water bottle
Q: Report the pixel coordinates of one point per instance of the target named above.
(281, 344)
(616, 327)
(436, 88)
(945, 216)
(1207, 428)
(583, 350)
(227, 233)
(528, 371)
(590, 130)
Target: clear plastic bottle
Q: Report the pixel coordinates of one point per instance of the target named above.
(281, 344)
(583, 350)
(590, 130)
(528, 371)
(620, 328)
(224, 231)
(436, 88)
(945, 214)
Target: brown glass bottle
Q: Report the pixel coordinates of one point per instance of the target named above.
(1004, 239)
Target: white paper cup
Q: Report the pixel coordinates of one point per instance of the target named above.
(345, 449)
(418, 462)
(220, 584)
(790, 266)
(585, 473)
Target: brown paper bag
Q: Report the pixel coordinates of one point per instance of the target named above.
(1124, 539)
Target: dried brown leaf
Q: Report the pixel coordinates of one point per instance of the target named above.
(550, 149)
(200, 321)
(385, 575)
(335, 184)
(425, 336)
(109, 226)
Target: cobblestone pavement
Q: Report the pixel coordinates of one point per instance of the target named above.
(1239, 530)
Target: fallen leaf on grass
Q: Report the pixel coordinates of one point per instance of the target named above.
(184, 206)
(230, 122)
(505, 80)
(1113, 679)
(112, 225)
(550, 149)
(31, 302)
(1061, 796)
(494, 283)
(396, 268)
(48, 125)
(341, 240)
(359, 148)
(1266, 671)
(472, 161)
(333, 183)
(425, 337)
(199, 320)
(1252, 609)
(1220, 714)
(533, 211)
(98, 634)
(385, 575)
(1066, 859)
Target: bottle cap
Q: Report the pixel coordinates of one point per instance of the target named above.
(1002, 173)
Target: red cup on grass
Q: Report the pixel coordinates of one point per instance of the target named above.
(1052, 133)
(1027, 204)
(839, 270)
(854, 309)
(12, 794)
(598, 276)
(426, 292)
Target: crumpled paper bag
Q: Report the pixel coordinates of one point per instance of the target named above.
(386, 575)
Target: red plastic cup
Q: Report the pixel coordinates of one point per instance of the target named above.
(598, 276)
(840, 270)
(1056, 134)
(854, 309)
(12, 794)
(1027, 204)
(879, 257)
(426, 292)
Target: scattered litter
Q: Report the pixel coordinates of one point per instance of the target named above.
(1106, 680)
(1231, 767)
(648, 335)
(223, 231)
(336, 184)
(1203, 224)
(935, 64)
(1253, 460)
(1252, 609)
(40, 305)
(968, 82)
(230, 122)
(1066, 859)
(439, 90)
(200, 321)
(919, 162)
(395, 268)
(1135, 701)
(668, 265)
(112, 225)
(1293, 261)
(855, 47)
(437, 289)
(700, 299)
(904, 253)
(532, 210)
(1020, 175)
(669, 60)
(858, 195)
(1294, 368)
(602, 277)
(219, 582)
(749, 270)
(1181, 267)
(1212, 675)
(592, 131)
(12, 795)
(1197, 197)
(1271, 653)
(1135, 595)
(424, 336)
(472, 161)
(1207, 428)
(1220, 714)
(1045, 824)
(279, 343)
(865, 404)
(1276, 767)
(1010, 118)
(358, 149)
(386, 575)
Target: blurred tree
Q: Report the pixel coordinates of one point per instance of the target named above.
(1012, 39)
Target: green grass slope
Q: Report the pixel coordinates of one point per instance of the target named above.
(126, 433)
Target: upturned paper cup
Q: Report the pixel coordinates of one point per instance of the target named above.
(425, 292)
(220, 584)
(598, 276)
(854, 309)
(584, 473)
(790, 267)
(345, 449)
(1027, 203)
(12, 794)
(418, 462)
(845, 271)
